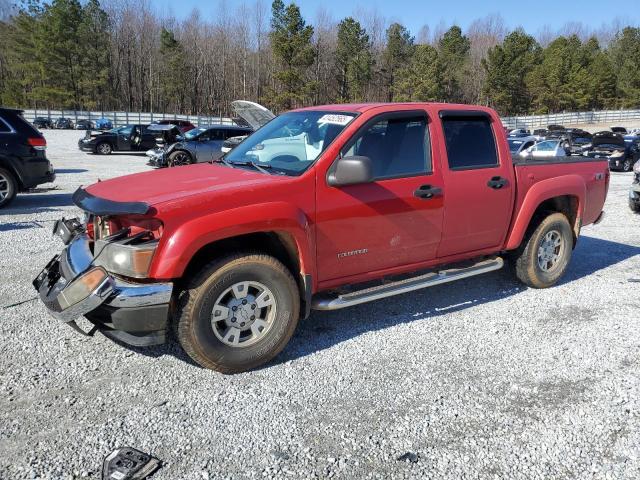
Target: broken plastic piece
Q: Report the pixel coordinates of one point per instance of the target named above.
(128, 464)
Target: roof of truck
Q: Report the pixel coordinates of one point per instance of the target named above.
(363, 107)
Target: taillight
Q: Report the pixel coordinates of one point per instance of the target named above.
(37, 143)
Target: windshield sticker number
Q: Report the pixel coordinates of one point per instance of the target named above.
(335, 119)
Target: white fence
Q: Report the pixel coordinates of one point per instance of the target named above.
(611, 117)
(124, 118)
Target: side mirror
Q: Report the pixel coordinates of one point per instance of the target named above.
(351, 171)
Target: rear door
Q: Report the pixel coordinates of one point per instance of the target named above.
(124, 138)
(479, 183)
(394, 220)
(148, 138)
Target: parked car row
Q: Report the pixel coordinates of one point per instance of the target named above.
(621, 150)
(42, 123)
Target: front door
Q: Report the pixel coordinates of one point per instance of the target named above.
(393, 221)
(479, 182)
(209, 145)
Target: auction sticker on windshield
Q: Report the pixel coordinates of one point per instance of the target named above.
(335, 119)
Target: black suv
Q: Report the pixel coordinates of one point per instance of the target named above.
(23, 163)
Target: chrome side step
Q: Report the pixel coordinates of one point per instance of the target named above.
(407, 285)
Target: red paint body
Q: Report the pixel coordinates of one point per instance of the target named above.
(203, 203)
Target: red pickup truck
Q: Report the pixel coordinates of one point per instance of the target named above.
(322, 208)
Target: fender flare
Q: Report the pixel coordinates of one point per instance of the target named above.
(565, 185)
(15, 166)
(180, 245)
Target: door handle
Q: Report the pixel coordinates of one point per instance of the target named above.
(425, 192)
(497, 183)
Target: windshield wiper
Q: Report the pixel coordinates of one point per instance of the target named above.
(251, 163)
(221, 160)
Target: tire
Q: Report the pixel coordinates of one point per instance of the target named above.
(635, 207)
(627, 165)
(104, 148)
(179, 158)
(546, 252)
(218, 289)
(8, 187)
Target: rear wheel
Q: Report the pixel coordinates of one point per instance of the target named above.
(634, 206)
(104, 148)
(238, 313)
(179, 158)
(546, 252)
(8, 187)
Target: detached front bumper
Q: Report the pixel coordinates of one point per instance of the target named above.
(70, 286)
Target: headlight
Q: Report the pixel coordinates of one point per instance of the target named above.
(636, 167)
(129, 256)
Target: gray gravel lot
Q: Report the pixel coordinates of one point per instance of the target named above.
(478, 379)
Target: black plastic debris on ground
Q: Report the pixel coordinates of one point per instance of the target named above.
(129, 464)
(6, 227)
(409, 457)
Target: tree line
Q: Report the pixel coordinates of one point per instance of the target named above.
(123, 55)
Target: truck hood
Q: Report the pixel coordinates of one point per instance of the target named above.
(161, 186)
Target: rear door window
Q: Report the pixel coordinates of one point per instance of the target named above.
(470, 142)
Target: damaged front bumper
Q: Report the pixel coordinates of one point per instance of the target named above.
(71, 286)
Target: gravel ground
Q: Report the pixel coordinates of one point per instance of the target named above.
(479, 379)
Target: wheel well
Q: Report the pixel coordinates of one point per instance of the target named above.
(6, 164)
(279, 245)
(565, 204)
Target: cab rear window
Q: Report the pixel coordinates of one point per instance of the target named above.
(470, 142)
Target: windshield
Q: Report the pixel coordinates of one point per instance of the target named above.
(291, 142)
(514, 145)
(193, 133)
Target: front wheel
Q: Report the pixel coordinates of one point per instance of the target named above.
(634, 206)
(238, 313)
(546, 252)
(179, 158)
(627, 166)
(104, 148)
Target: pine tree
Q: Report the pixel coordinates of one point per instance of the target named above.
(397, 53)
(94, 34)
(59, 49)
(507, 67)
(453, 50)
(422, 79)
(625, 56)
(353, 60)
(292, 47)
(175, 73)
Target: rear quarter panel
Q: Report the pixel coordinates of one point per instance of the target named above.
(587, 181)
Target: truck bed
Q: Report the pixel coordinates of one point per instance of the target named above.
(593, 172)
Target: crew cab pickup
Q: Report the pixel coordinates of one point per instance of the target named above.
(322, 208)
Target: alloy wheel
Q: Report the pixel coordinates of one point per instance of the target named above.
(179, 159)
(243, 314)
(4, 187)
(550, 250)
